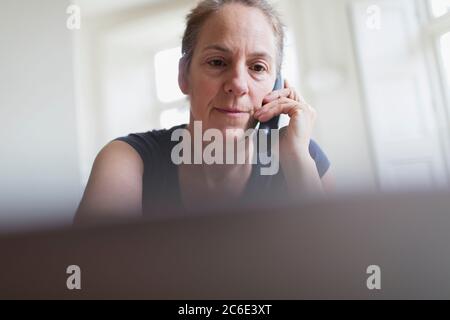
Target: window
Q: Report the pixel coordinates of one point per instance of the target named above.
(173, 110)
(445, 54)
(166, 72)
(439, 7)
(400, 80)
(439, 26)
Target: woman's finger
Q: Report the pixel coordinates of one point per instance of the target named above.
(275, 108)
(287, 92)
(269, 105)
(277, 94)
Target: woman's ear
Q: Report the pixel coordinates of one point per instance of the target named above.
(182, 76)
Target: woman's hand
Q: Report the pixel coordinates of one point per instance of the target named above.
(296, 137)
(298, 166)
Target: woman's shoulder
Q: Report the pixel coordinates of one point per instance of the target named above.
(151, 144)
(118, 155)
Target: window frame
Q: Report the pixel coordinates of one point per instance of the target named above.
(159, 107)
(430, 13)
(433, 28)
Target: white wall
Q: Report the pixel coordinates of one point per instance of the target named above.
(39, 166)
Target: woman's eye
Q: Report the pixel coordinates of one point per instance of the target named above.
(216, 63)
(259, 68)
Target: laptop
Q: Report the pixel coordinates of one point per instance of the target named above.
(367, 247)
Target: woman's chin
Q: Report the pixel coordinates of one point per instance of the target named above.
(236, 131)
(234, 128)
(230, 127)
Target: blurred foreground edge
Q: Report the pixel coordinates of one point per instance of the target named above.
(314, 251)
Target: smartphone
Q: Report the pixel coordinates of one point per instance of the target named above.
(274, 122)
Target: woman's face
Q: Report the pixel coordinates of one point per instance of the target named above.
(233, 68)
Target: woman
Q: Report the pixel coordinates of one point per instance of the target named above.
(232, 53)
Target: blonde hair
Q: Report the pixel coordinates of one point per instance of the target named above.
(205, 8)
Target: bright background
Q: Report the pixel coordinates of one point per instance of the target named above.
(377, 72)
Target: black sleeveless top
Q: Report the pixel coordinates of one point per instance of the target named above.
(161, 189)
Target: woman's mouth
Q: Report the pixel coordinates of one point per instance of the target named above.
(231, 112)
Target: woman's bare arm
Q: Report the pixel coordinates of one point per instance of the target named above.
(114, 189)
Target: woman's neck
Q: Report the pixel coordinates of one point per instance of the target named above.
(203, 184)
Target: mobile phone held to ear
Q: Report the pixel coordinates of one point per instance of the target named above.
(274, 122)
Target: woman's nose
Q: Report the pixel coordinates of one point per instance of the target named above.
(237, 83)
